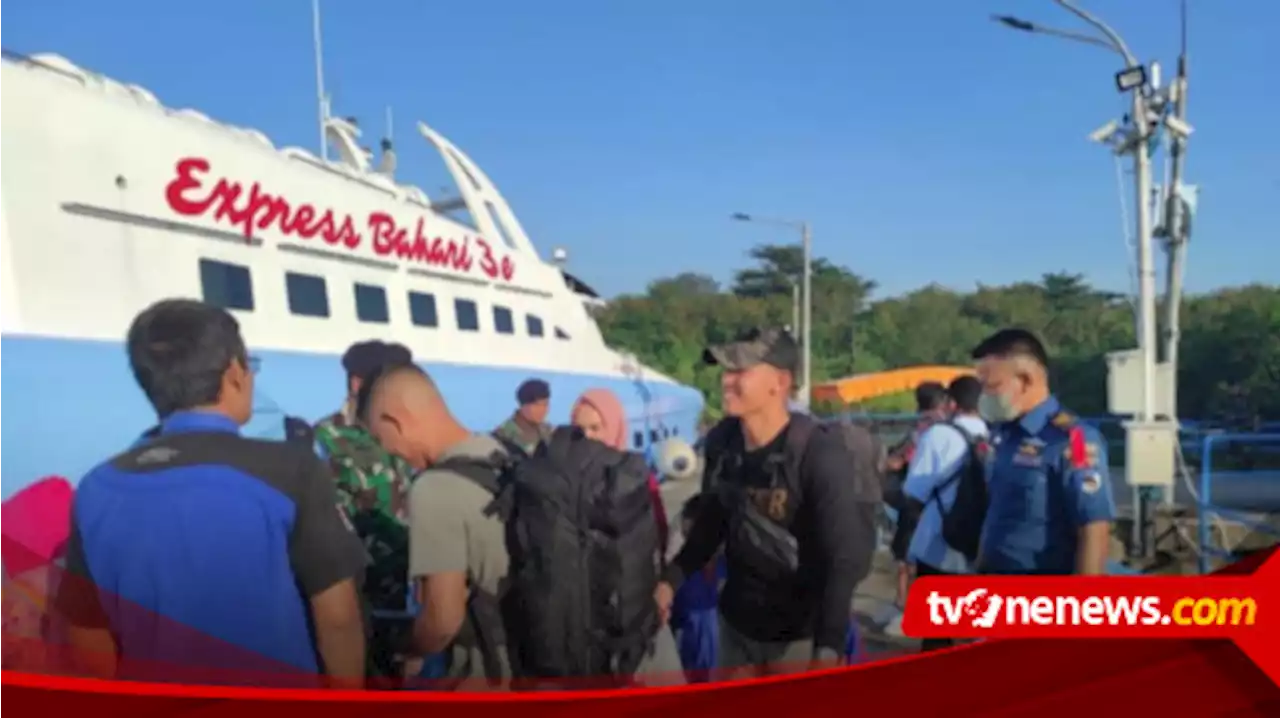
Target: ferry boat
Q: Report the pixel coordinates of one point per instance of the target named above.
(112, 201)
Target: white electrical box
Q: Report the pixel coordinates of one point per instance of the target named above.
(1149, 453)
(1124, 385)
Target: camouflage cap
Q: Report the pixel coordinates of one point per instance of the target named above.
(775, 347)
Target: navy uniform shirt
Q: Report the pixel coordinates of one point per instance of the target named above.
(204, 547)
(1047, 478)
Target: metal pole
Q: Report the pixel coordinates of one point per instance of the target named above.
(1178, 230)
(795, 308)
(323, 101)
(1146, 265)
(807, 242)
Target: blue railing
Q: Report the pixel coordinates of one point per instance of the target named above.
(1209, 510)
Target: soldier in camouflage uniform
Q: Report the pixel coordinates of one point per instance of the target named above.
(528, 426)
(373, 486)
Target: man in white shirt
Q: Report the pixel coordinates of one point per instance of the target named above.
(942, 452)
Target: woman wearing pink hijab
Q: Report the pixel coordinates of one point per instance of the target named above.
(600, 415)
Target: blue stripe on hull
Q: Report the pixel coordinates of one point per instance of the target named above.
(73, 404)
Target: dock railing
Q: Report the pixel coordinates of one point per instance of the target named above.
(1209, 512)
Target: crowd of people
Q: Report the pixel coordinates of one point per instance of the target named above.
(390, 545)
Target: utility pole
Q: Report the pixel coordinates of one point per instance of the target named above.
(805, 386)
(1150, 440)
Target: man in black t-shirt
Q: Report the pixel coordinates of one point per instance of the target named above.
(798, 530)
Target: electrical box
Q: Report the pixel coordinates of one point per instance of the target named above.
(1124, 385)
(1149, 453)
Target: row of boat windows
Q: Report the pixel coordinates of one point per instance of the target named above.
(655, 435)
(230, 286)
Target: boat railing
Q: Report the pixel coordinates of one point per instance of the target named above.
(1259, 485)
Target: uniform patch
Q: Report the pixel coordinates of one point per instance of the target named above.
(1091, 481)
(1064, 419)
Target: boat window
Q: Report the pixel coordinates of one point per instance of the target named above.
(502, 321)
(422, 310)
(500, 226)
(653, 436)
(226, 285)
(638, 439)
(533, 324)
(560, 334)
(308, 295)
(371, 304)
(468, 316)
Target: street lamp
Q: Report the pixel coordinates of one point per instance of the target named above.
(1132, 79)
(806, 322)
(1149, 445)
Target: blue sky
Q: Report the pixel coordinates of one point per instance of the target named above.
(923, 142)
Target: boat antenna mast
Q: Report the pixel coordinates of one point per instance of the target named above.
(322, 98)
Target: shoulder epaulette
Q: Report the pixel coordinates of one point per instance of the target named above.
(1064, 420)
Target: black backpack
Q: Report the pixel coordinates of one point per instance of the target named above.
(962, 523)
(583, 543)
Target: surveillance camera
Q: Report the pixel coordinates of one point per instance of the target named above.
(559, 254)
(1177, 126)
(1105, 133)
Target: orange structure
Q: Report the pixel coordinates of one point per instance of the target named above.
(863, 387)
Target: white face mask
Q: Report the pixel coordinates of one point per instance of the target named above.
(996, 408)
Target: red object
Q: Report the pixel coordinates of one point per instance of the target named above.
(37, 524)
(1079, 450)
(1029, 677)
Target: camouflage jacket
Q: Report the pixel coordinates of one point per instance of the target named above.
(373, 490)
(512, 431)
(368, 478)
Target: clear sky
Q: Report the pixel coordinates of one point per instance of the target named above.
(923, 142)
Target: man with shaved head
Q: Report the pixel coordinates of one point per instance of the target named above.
(458, 553)
(452, 544)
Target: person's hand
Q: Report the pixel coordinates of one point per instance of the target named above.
(664, 595)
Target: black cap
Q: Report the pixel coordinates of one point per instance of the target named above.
(533, 390)
(364, 357)
(775, 347)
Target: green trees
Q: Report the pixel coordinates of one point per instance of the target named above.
(1230, 348)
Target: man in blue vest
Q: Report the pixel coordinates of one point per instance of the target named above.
(202, 555)
(1051, 508)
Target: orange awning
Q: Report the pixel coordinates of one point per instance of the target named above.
(862, 387)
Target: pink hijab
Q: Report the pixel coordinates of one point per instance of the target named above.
(611, 413)
(37, 524)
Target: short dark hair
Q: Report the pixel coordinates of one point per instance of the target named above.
(371, 379)
(179, 350)
(930, 395)
(1012, 342)
(965, 392)
(362, 358)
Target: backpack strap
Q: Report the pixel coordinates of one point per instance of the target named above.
(493, 474)
(720, 447)
(971, 455)
(799, 433)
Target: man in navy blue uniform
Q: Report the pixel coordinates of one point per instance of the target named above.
(199, 554)
(1051, 507)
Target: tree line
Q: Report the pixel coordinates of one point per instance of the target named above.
(1229, 353)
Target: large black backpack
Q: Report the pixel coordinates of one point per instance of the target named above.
(583, 542)
(962, 522)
